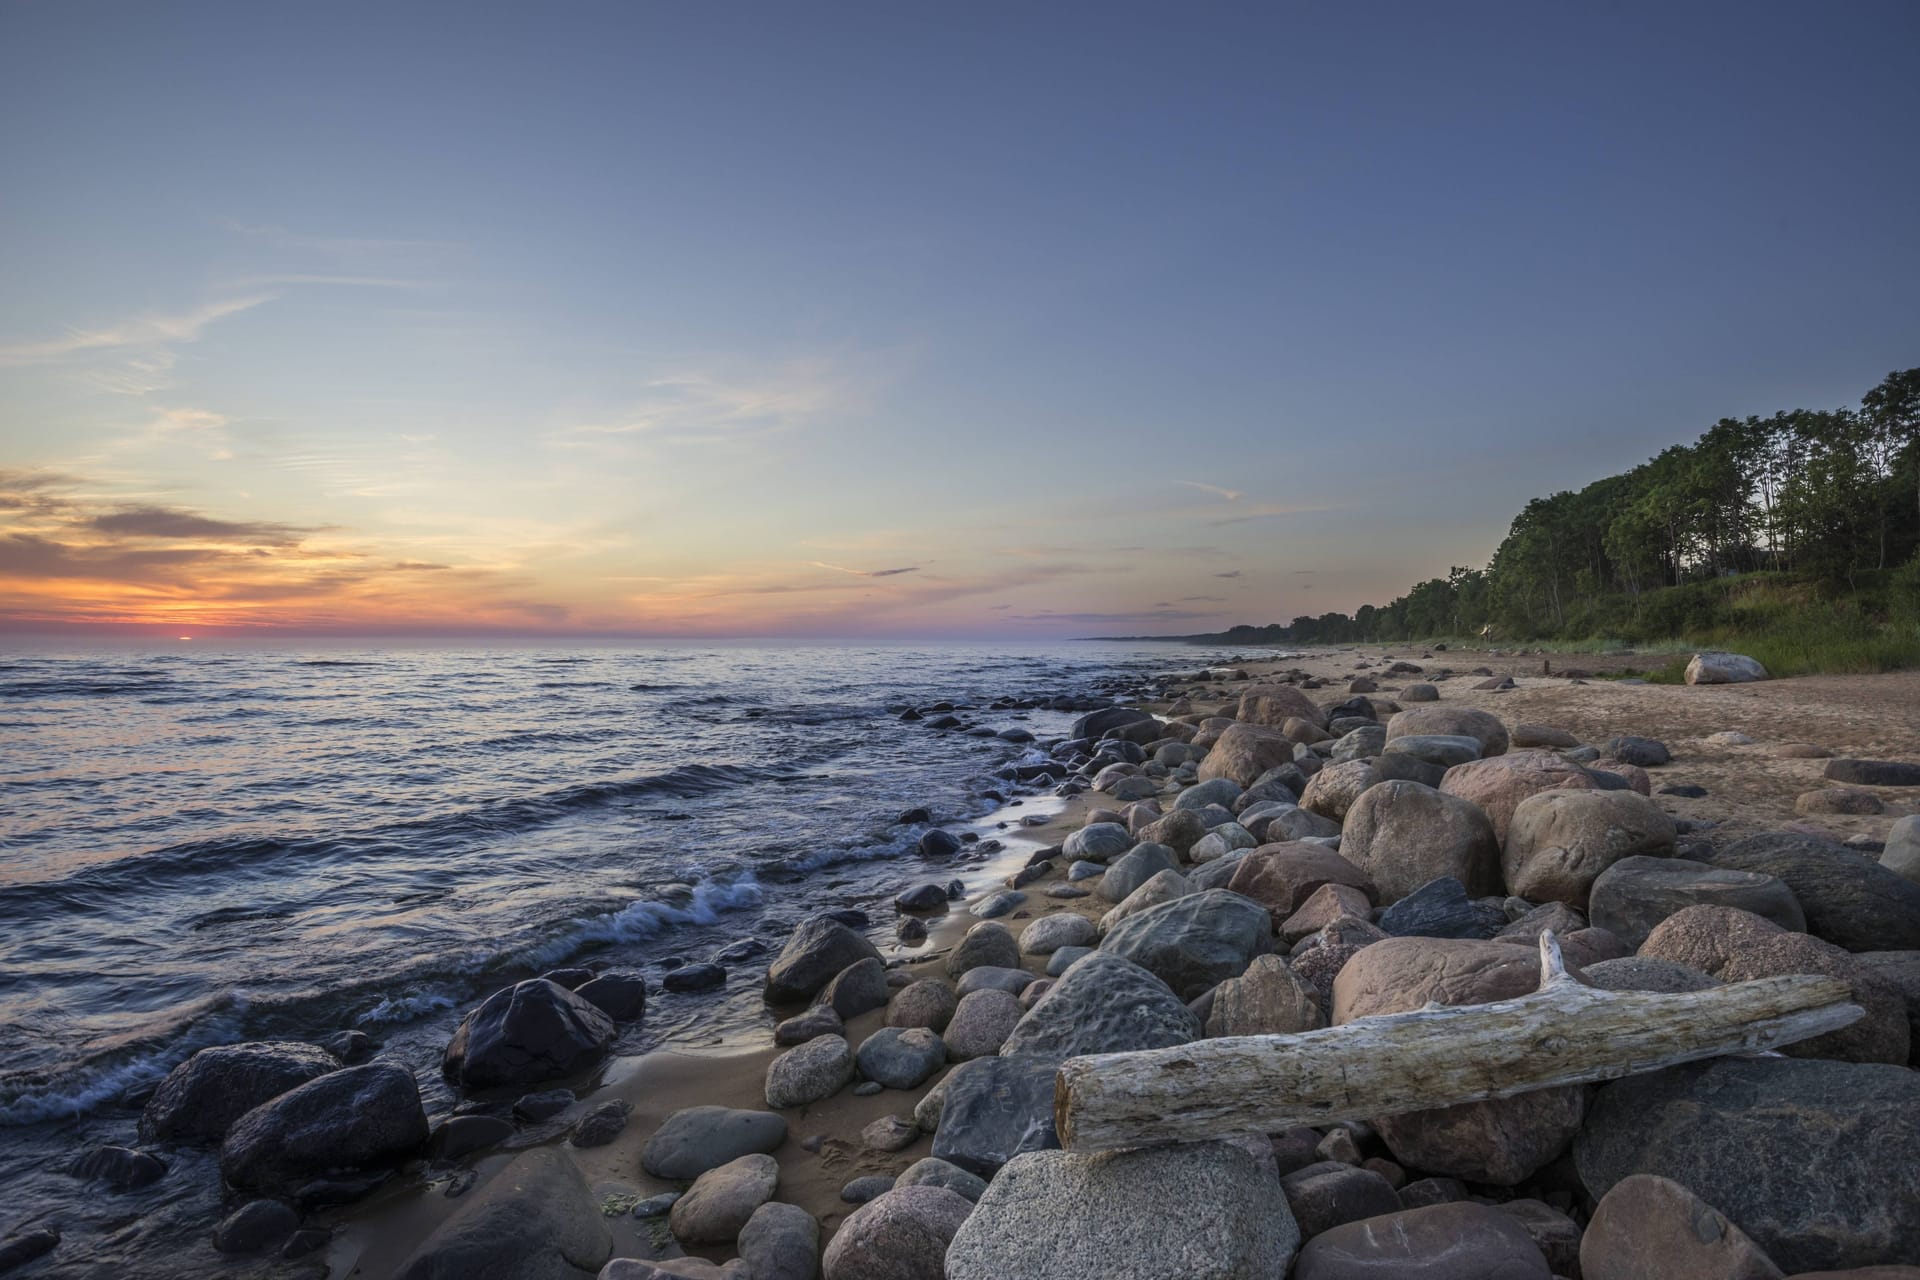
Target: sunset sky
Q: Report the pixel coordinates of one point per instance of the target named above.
(898, 320)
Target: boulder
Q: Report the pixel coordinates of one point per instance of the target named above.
(1724, 668)
(780, 1242)
(902, 1235)
(1098, 842)
(986, 944)
(1652, 1228)
(1643, 973)
(1644, 753)
(1901, 971)
(1299, 824)
(722, 1200)
(1874, 773)
(1482, 726)
(1275, 704)
(534, 1220)
(1178, 831)
(1134, 869)
(1541, 735)
(1635, 894)
(1402, 835)
(529, 1033)
(1244, 752)
(1265, 1000)
(901, 1058)
(1327, 1194)
(929, 1002)
(1055, 1215)
(1360, 743)
(358, 1118)
(818, 950)
(1503, 1141)
(202, 1097)
(695, 1139)
(1848, 899)
(1163, 887)
(993, 1109)
(1442, 909)
(1843, 1198)
(1560, 841)
(1194, 943)
(1837, 802)
(1736, 946)
(820, 1020)
(1902, 852)
(1228, 837)
(458, 1136)
(1050, 933)
(981, 1024)
(1281, 877)
(810, 1072)
(1220, 791)
(1318, 960)
(254, 1226)
(935, 1172)
(120, 1168)
(859, 988)
(1332, 791)
(1103, 1004)
(1498, 785)
(1452, 1241)
(621, 996)
(994, 977)
(1323, 906)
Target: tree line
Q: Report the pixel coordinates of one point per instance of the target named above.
(1828, 497)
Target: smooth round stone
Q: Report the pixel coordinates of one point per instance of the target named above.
(861, 1190)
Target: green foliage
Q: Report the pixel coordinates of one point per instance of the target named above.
(1771, 536)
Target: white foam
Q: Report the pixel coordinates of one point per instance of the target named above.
(103, 1081)
(640, 920)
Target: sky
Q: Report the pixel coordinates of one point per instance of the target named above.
(982, 320)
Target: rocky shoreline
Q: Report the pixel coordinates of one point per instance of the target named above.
(1262, 851)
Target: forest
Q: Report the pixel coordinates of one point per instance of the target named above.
(1797, 533)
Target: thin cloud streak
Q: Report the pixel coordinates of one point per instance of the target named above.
(149, 330)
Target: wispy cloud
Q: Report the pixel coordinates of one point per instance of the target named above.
(152, 330)
(862, 573)
(709, 405)
(1231, 495)
(173, 522)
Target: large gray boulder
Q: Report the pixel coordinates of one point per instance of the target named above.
(693, 1140)
(1839, 1173)
(1561, 840)
(202, 1097)
(1453, 1241)
(986, 945)
(818, 950)
(1244, 752)
(1095, 724)
(780, 1242)
(1098, 842)
(1500, 784)
(902, 1057)
(1848, 899)
(1902, 852)
(1275, 704)
(722, 1200)
(355, 1119)
(1634, 894)
(534, 1220)
(1403, 834)
(1103, 1004)
(1448, 721)
(529, 1033)
(1194, 943)
(1724, 668)
(810, 1072)
(993, 1109)
(1055, 1215)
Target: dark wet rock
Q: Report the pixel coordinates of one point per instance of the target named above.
(859, 988)
(695, 977)
(534, 1220)
(914, 817)
(121, 1168)
(693, 1140)
(819, 949)
(355, 1119)
(1096, 724)
(1454, 1241)
(305, 1241)
(18, 1250)
(457, 1136)
(922, 897)
(1848, 899)
(599, 1126)
(1057, 1215)
(1844, 1197)
(202, 1097)
(349, 1046)
(621, 996)
(1874, 773)
(1104, 1004)
(1195, 942)
(992, 1109)
(1442, 909)
(535, 1107)
(1635, 894)
(1648, 753)
(901, 1057)
(820, 1020)
(531, 1032)
(1325, 1195)
(255, 1226)
(571, 977)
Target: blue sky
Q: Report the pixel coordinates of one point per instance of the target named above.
(700, 319)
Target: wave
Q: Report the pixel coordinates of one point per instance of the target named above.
(86, 686)
(337, 662)
(638, 921)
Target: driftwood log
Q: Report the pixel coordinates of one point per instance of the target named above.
(1564, 1033)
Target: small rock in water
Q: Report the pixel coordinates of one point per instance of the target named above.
(543, 1106)
(255, 1225)
(745, 949)
(922, 897)
(695, 977)
(914, 817)
(16, 1251)
(349, 1046)
(938, 844)
(121, 1168)
(621, 996)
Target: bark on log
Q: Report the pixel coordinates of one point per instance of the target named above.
(1564, 1033)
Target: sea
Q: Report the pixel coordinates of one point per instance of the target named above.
(205, 843)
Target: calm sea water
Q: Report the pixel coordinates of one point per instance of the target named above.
(204, 845)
